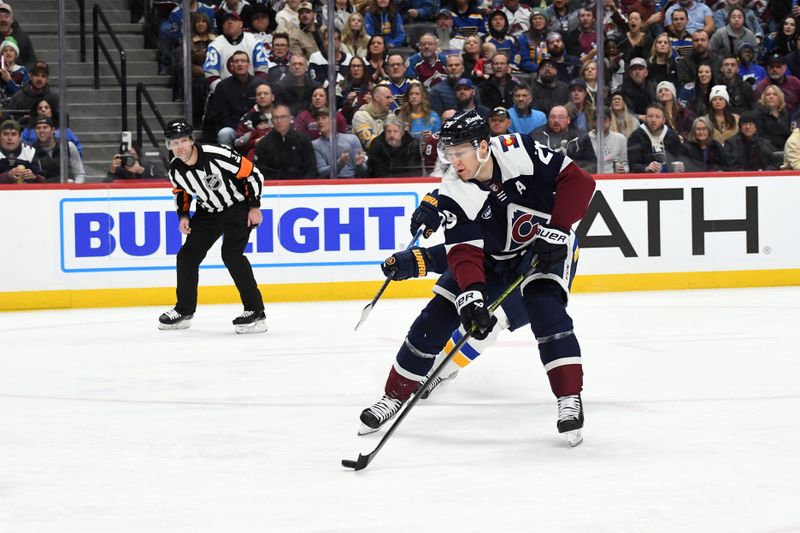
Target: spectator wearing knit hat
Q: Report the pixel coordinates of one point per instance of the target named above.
(532, 44)
(13, 76)
(9, 28)
(725, 124)
(676, 116)
(750, 150)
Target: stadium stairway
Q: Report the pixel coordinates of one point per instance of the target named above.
(95, 114)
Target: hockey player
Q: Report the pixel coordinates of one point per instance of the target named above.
(508, 204)
(228, 190)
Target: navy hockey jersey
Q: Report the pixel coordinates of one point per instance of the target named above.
(530, 185)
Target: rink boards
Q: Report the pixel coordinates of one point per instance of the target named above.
(115, 245)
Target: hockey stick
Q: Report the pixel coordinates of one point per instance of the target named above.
(368, 308)
(364, 460)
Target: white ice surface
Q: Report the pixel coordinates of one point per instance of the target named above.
(692, 407)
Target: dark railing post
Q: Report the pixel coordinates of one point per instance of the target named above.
(96, 43)
(124, 85)
(139, 117)
(82, 15)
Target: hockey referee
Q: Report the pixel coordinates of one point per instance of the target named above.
(228, 191)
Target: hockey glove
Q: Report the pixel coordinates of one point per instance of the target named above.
(427, 214)
(549, 248)
(412, 263)
(473, 312)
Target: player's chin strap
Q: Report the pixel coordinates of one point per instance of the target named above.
(481, 162)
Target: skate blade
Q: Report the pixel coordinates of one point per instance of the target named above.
(180, 325)
(259, 326)
(366, 430)
(574, 437)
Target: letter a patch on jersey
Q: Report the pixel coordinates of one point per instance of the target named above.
(507, 142)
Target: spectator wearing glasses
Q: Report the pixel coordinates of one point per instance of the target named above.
(296, 88)
(396, 78)
(279, 57)
(356, 89)
(700, 152)
(284, 153)
(427, 65)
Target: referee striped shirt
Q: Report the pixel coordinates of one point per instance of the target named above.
(218, 180)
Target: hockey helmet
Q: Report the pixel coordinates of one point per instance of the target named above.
(465, 127)
(178, 128)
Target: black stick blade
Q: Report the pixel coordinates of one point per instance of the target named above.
(359, 464)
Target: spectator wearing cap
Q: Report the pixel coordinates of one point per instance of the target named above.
(583, 39)
(701, 53)
(47, 107)
(638, 92)
(170, 31)
(382, 18)
(284, 153)
(47, 154)
(500, 122)
(559, 135)
(9, 28)
(498, 90)
(17, 163)
(750, 71)
(751, 22)
(234, 97)
(500, 37)
(306, 120)
(728, 38)
(519, 17)
(241, 7)
(547, 90)
(532, 44)
(368, 120)
(724, 123)
(524, 118)
(700, 152)
(13, 76)
(218, 65)
(350, 160)
(561, 16)
(450, 41)
(739, 92)
(307, 38)
(467, 18)
(568, 66)
(394, 152)
(443, 95)
(580, 107)
(288, 19)
(33, 91)
(773, 116)
(615, 147)
(676, 116)
(700, 16)
(776, 75)
(654, 146)
(427, 65)
(750, 151)
(417, 10)
(466, 98)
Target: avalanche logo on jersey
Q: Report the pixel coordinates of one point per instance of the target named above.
(522, 225)
(508, 142)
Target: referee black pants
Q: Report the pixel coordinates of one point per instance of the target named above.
(207, 227)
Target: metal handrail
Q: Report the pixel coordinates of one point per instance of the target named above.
(141, 122)
(82, 14)
(122, 73)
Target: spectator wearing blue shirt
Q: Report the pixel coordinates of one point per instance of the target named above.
(417, 10)
(382, 18)
(700, 16)
(524, 118)
(750, 71)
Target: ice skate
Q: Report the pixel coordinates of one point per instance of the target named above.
(435, 383)
(374, 416)
(570, 418)
(172, 319)
(251, 322)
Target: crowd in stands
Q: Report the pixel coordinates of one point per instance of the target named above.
(687, 85)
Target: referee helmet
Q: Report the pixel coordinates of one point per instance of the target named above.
(178, 128)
